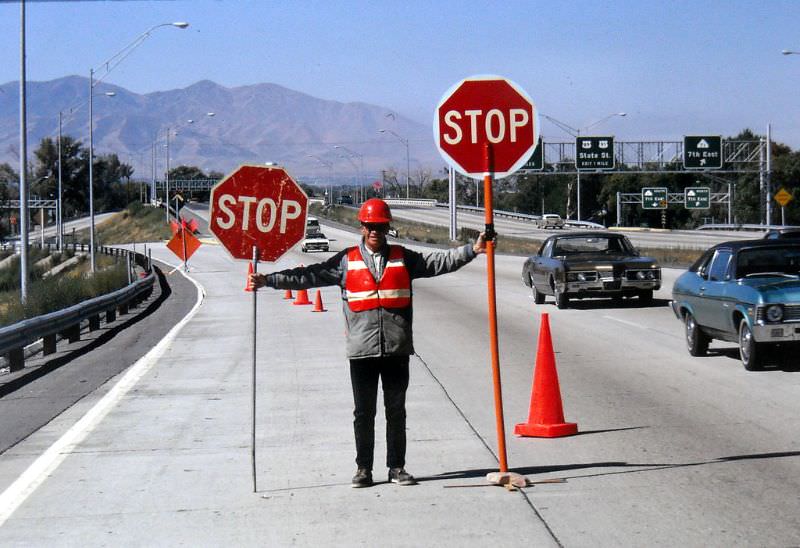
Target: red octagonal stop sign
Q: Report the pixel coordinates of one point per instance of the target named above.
(481, 111)
(258, 206)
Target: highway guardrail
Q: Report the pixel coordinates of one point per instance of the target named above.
(67, 322)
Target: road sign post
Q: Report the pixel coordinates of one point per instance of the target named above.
(257, 213)
(654, 198)
(702, 152)
(697, 197)
(487, 126)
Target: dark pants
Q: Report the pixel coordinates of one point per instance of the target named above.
(364, 374)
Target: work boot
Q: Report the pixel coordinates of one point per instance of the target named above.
(401, 477)
(363, 478)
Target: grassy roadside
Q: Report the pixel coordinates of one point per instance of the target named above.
(58, 292)
(439, 235)
(134, 224)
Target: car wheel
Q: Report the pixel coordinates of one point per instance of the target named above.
(646, 297)
(562, 299)
(696, 340)
(538, 297)
(750, 351)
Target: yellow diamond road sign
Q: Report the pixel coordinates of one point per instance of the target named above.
(783, 197)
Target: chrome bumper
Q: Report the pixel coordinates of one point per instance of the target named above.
(777, 332)
(609, 286)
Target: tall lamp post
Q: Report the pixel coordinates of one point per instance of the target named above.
(360, 157)
(576, 133)
(109, 65)
(329, 165)
(408, 164)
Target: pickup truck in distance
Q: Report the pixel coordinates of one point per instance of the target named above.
(550, 220)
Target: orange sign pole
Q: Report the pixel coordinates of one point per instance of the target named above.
(490, 243)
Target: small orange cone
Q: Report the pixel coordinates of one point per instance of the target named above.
(546, 415)
(318, 303)
(302, 297)
(249, 286)
(288, 295)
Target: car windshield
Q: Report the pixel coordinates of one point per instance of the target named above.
(591, 244)
(768, 261)
(315, 236)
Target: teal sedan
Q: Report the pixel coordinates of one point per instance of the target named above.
(746, 292)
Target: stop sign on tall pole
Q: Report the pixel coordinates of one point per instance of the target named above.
(259, 206)
(487, 126)
(482, 111)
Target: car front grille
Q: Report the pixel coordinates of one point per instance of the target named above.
(791, 313)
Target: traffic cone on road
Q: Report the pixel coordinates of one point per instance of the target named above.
(546, 415)
(288, 295)
(302, 297)
(318, 303)
(249, 286)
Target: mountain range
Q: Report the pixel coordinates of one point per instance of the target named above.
(250, 124)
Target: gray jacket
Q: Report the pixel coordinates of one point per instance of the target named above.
(381, 331)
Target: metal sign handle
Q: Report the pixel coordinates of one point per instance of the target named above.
(253, 387)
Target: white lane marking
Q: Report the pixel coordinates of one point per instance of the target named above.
(49, 461)
(632, 324)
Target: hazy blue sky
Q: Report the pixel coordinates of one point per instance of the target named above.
(686, 67)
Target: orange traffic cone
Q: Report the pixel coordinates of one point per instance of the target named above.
(318, 303)
(249, 286)
(288, 294)
(302, 297)
(546, 415)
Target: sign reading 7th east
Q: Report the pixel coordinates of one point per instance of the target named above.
(259, 206)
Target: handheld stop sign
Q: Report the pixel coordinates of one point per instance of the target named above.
(257, 213)
(485, 127)
(259, 206)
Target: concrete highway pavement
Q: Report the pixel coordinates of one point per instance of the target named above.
(672, 450)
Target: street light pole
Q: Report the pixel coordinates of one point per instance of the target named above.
(361, 170)
(329, 165)
(576, 133)
(91, 172)
(408, 163)
(59, 213)
(23, 161)
(109, 65)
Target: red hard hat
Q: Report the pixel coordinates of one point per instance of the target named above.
(375, 210)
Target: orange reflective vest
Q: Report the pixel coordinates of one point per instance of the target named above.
(393, 290)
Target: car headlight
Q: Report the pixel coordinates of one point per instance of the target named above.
(774, 313)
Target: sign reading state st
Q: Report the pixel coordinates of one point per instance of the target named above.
(259, 206)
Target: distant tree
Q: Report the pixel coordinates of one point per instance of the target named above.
(187, 173)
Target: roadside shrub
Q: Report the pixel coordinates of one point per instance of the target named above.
(51, 294)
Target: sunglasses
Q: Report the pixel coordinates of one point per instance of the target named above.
(371, 227)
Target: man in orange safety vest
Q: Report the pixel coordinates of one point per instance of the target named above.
(375, 278)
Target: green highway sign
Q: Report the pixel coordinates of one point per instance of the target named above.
(594, 153)
(536, 161)
(702, 152)
(654, 198)
(697, 197)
